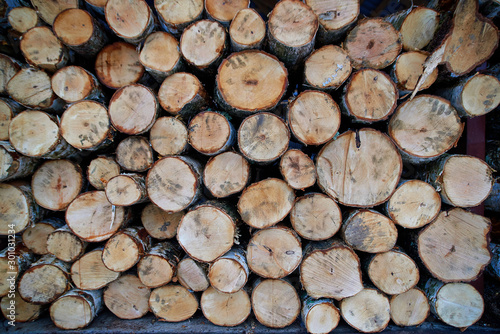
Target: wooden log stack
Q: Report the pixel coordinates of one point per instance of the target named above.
(198, 155)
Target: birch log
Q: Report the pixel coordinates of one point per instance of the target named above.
(48, 10)
(247, 30)
(134, 154)
(125, 248)
(18, 207)
(211, 133)
(159, 223)
(319, 72)
(319, 315)
(8, 109)
(368, 311)
(169, 136)
(76, 309)
(225, 309)
(14, 261)
(41, 48)
(74, 83)
(410, 308)
(126, 189)
(418, 28)
(226, 174)
(172, 303)
(35, 237)
(132, 21)
(90, 273)
(408, 68)
(14, 165)
(9, 67)
(22, 311)
(22, 19)
(230, 272)
(192, 274)
(176, 16)
(160, 55)
(298, 169)
(101, 170)
(159, 265)
(64, 245)
(127, 297)
(224, 11)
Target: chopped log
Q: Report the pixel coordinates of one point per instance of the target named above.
(80, 32)
(247, 30)
(14, 165)
(274, 252)
(408, 68)
(14, 261)
(265, 203)
(368, 311)
(454, 247)
(135, 154)
(97, 6)
(8, 109)
(373, 43)
(414, 204)
(9, 67)
(250, 81)
(456, 304)
(90, 273)
(132, 21)
(330, 269)
(493, 268)
(418, 28)
(211, 133)
(18, 207)
(193, 275)
(22, 19)
(263, 138)
(207, 231)
(64, 245)
(424, 128)
(172, 303)
(33, 286)
(35, 237)
(298, 169)
(169, 136)
(76, 309)
(335, 18)
(319, 72)
(279, 311)
(315, 216)
(360, 168)
(203, 44)
(118, 65)
(173, 183)
(176, 16)
(74, 83)
(225, 309)
(41, 48)
(462, 180)
(230, 272)
(319, 315)
(292, 28)
(410, 308)
(125, 248)
(92, 218)
(48, 10)
(158, 266)
(369, 96)
(101, 170)
(226, 174)
(160, 224)
(224, 11)
(126, 189)
(160, 55)
(22, 311)
(127, 297)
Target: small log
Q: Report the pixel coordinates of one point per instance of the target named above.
(226, 174)
(456, 304)
(118, 65)
(33, 286)
(76, 309)
(132, 21)
(424, 128)
(64, 245)
(135, 154)
(126, 189)
(335, 18)
(9, 67)
(315, 216)
(410, 308)
(173, 303)
(230, 272)
(211, 133)
(18, 207)
(8, 109)
(369, 96)
(159, 223)
(263, 138)
(198, 227)
(183, 94)
(14, 261)
(22, 19)
(74, 83)
(160, 55)
(462, 180)
(225, 309)
(169, 136)
(193, 275)
(369, 311)
(454, 247)
(319, 315)
(158, 266)
(127, 297)
(203, 44)
(125, 248)
(247, 30)
(14, 165)
(319, 72)
(414, 204)
(418, 28)
(22, 311)
(292, 28)
(41, 48)
(408, 68)
(101, 170)
(92, 218)
(48, 10)
(330, 269)
(250, 81)
(90, 273)
(35, 237)
(279, 311)
(298, 169)
(224, 11)
(176, 16)
(274, 252)
(97, 6)
(375, 177)
(373, 43)
(265, 203)
(173, 183)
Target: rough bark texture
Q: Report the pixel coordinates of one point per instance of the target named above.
(76, 308)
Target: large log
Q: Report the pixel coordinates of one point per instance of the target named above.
(64, 245)
(226, 174)
(18, 207)
(125, 248)
(319, 72)
(74, 83)
(169, 136)
(160, 55)
(159, 265)
(319, 315)
(247, 30)
(410, 308)
(101, 170)
(160, 224)
(76, 309)
(48, 10)
(211, 133)
(175, 16)
(90, 273)
(132, 21)
(225, 309)
(35, 237)
(172, 303)
(224, 11)
(127, 297)
(230, 272)
(41, 48)
(134, 154)
(298, 169)
(192, 274)
(368, 311)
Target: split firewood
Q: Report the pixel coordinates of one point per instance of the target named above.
(125, 248)
(224, 11)
(226, 174)
(24, 311)
(35, 237)
(319, 315)
(193, 275)
(74, 83)
(160, 224)
(176, 16)
(126, 189)
(230, 272)
(76, 309)
(64, 245)
(369, 311)
(127, 297)
(169, 136)
(12, 269)
(22, 19)
(247, 30)
(319, 72)
(135, 154)
(160, 55)
(211, 133)
(41, 48)
(225, 309)
(158, 266)
(90, 273)
(101, 170)
(298, 169)
(48, 10)
(19, 208)
(132, 21)
(172, 303)
(410, 308)
(14, 165)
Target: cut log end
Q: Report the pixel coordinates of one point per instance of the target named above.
(127, 297)
(298, 169)
(76, 309)
(319, 72)
(202, 44)
(163, 298)
(182, 94)
(419, 28)
(175, 16)
(118, 65)
(124, 249)
(247, 30)
(73, 83)
(393, 272)
(225, 309)
(126, 189)
(159, 223)
(65, 245)
(139, 20)
(226, 174)
(41, 48)
(23, 19)
(135, 154)
(409, 67)
(192, 275)
(48, 11)
(31, 87)
(74, 27)
(410, 308)
(90, 273)
(160, 55)
(480, 95)
(320, 315)
(229, 273)
(101, 170)
(17, 207)
(210, 133)
(224, 11)
(169, 136)
(368, 311)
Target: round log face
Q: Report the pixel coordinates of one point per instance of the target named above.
(360, 169)
(368, 311)
(101, 170)
(72, 83)
(298, 169)
(172, 303)
(459, 305)
(65, 246)
(225, 309)
(320, 73)
(224, 11)
(24, 312)
(209, 132)
(247, 28)
(154, 271)
(71, 312)
(118, 65)
(41, 48)
(168, 136)
(121, 252)
(418, 28)
(35, 237)
(137, 14)
(122, 190)
(15, 208)
(226, 174)
(74, 26)
(481, 94)
(203, 42)
(191, 275)
(134, 154)
(266, 203)
(127, 297)
(410, 308)
(31, 87)
(393, 272)
(322, 318)
(408, 69)
(90, 273)
(177, 13)
(33, 286)
(178, 90)
(22, 19)
(159, 223)
(10, 68)
(227, 275)
(335, 14)
(160, 52)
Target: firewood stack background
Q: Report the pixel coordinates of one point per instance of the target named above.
(303, 165)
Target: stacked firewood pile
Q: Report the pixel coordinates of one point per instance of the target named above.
(193, 155)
